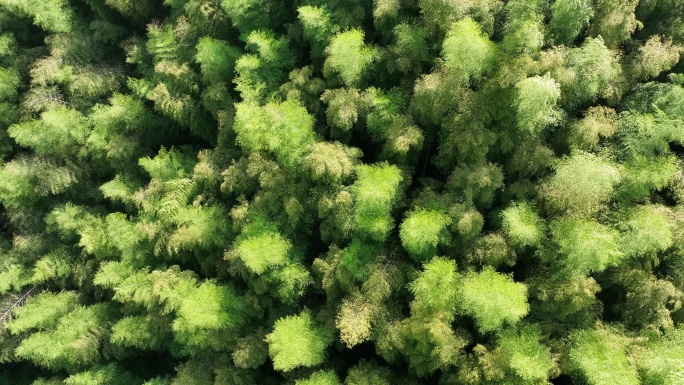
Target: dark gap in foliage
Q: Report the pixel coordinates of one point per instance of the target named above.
(613, 299)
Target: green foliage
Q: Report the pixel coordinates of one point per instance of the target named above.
(55, 265)
(598, 123)
(73, 342)
(42, 312)
(524, 29)
(318, 27)
(441, 14)
(582, 185)
(105, 375)
(349, 58)
(251, 351)
(411, 48)
(647, 134)
(297, 341)
(645, 230)
(476, 184)
(367, 192)
(26, 180)
(10, 81)
(523, 225)
(529, 359)
(197, 227)
(567, 298)
(291, 281)
(654, 57)
(375, 193)
(366, 373)
(596, 73)
(661, 361)
(435, 95)
(285, 129)
(467, 51)
(569, 19)
(51, 15)
(493, 250)
(356, 258)
(7, 44)
(260, 71)
(217, 59)
(519, 358)
(332, 162)
(354, 321)
(400, 136)
(13, 277)
(422, 231)
(138, 11)
(134, 331)
(320, 378)
(250, 15)
(651, 302)
(643, 175)
(600, 356)
(436, 288)
(587, 246)
(167, 165)
(536, 104)
(493, 299)
(209, 307)
(345, 105)
(614, 21)
(260, 247)
(430, 344)
(59, 132)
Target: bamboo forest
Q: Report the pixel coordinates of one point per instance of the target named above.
(341, 192)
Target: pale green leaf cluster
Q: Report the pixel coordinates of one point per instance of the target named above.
(523, 225)
(596, 72)
(527, 357)
(327, 377)
(536, 104)
(348, 57)
(600, 357)
(59, 131)
(328, 192)
(524, 29)
(467, 50)
(582, 184)
(662, 361)
(436, 287)
(297, 341)
(285, 129)
(423, 231)
(585, 246)
(217, 59)
(74, 340)
(42, 312)
(375, 193)
(333, 162)
(50, 15)
(134, 331)
(645, 230)
(569, 19)
(110, 374)
(493, 299)
(209, 307)
(260, 247)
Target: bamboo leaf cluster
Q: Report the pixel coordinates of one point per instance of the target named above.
(341, 192)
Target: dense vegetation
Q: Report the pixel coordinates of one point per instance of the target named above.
(311, 192)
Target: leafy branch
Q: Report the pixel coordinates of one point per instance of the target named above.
(15, 301)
